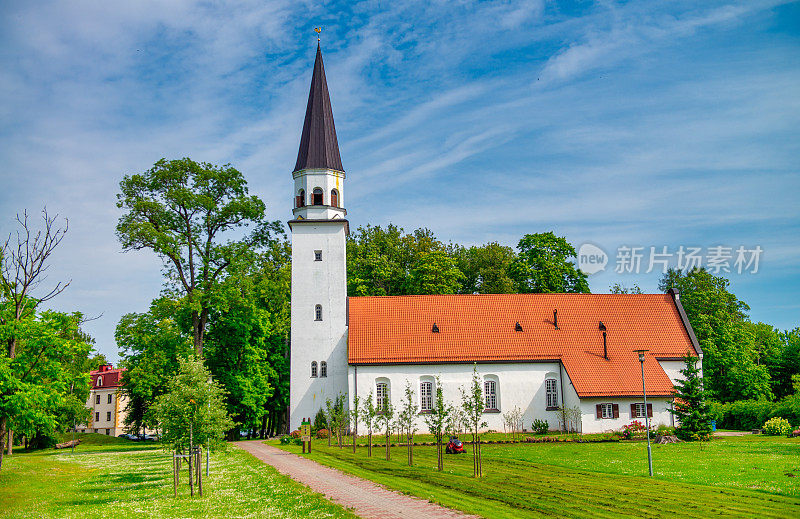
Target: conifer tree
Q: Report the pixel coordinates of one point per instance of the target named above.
(690, 406)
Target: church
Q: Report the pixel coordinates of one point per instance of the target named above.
(539, 353)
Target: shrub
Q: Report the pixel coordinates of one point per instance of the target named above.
(286, 439)
(319, 422)
(323, 433)
(665, 430)
(540, 426)
(751, 414)
(777, 426)
(296, 433)
(635, 429)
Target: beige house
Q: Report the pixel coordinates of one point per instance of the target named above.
(106, 402)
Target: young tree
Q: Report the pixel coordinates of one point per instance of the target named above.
(437, 421)
(355, 412)
(24, 259)
(329, 412)
(368, 413)
(408, 420)
(473, 405)
(543, 265)
(193, 411)
(180, 209)
(338, 415)
(385, 415)
(690, 406)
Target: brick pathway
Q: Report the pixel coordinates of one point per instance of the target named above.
(365, 498)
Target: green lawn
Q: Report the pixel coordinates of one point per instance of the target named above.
(111, 477)
(734, 476)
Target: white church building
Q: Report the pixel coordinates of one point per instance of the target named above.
(535, 352)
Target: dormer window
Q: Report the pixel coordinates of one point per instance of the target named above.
(317, 197)
(99, 381)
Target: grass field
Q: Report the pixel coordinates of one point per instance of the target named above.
(112, 477)
(735, 476)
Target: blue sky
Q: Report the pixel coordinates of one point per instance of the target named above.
(645, 124)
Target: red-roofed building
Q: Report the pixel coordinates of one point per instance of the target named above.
(539, 353)
(106, 401)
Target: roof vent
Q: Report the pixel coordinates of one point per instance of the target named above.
(517, 327)
(435, 328)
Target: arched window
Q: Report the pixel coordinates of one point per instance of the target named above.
(317, 197)
(323, 369)
(318, 313)
(551, 391)
(313, 368)
(301, 198)
(490, 394)
(99, 381)
(382, 394)
(334, 198)
(426, 396)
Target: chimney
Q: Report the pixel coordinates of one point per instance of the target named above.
(555, 318)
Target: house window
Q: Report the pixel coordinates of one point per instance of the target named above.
(638, 410)
(97, 399)
(314, 368)
(607, 411)
(317, 197)
(318, 313)
(108, 416)
(425, 396)
(323, 369)
(96, 419)
(490, 394)
(551, 391)
(334, 198)
(108, 432)
(382, 393)
(109, 398)
(317, 255)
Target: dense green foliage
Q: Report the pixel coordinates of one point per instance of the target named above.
(777, 426)
(44, 387)
(742, 360)
(576, 479)
(388, 261)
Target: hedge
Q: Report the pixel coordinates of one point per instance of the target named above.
(745, 415)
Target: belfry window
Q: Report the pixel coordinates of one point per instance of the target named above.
(317, 197)
(314, 369)
(301, 199)
(318, 313)
(323, 369)
(334, 198)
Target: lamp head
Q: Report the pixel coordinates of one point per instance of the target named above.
(641, 354)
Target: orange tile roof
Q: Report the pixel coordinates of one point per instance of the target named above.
(481, 328)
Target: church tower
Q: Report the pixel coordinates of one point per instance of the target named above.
(319, 278)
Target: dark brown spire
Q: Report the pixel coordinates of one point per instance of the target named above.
(319, 148)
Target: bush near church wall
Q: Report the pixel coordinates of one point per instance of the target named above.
(745, 415)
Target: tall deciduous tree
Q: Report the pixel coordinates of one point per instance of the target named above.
(487, 268)
(24, 259)
(544, 265)
(183, 211)
(719, 320)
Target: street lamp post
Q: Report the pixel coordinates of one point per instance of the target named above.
(646, 414)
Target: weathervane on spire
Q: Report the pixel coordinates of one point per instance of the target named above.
(318, 30)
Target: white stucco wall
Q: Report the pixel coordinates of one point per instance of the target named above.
(592, 424)
(519, 384)
(324, 283)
